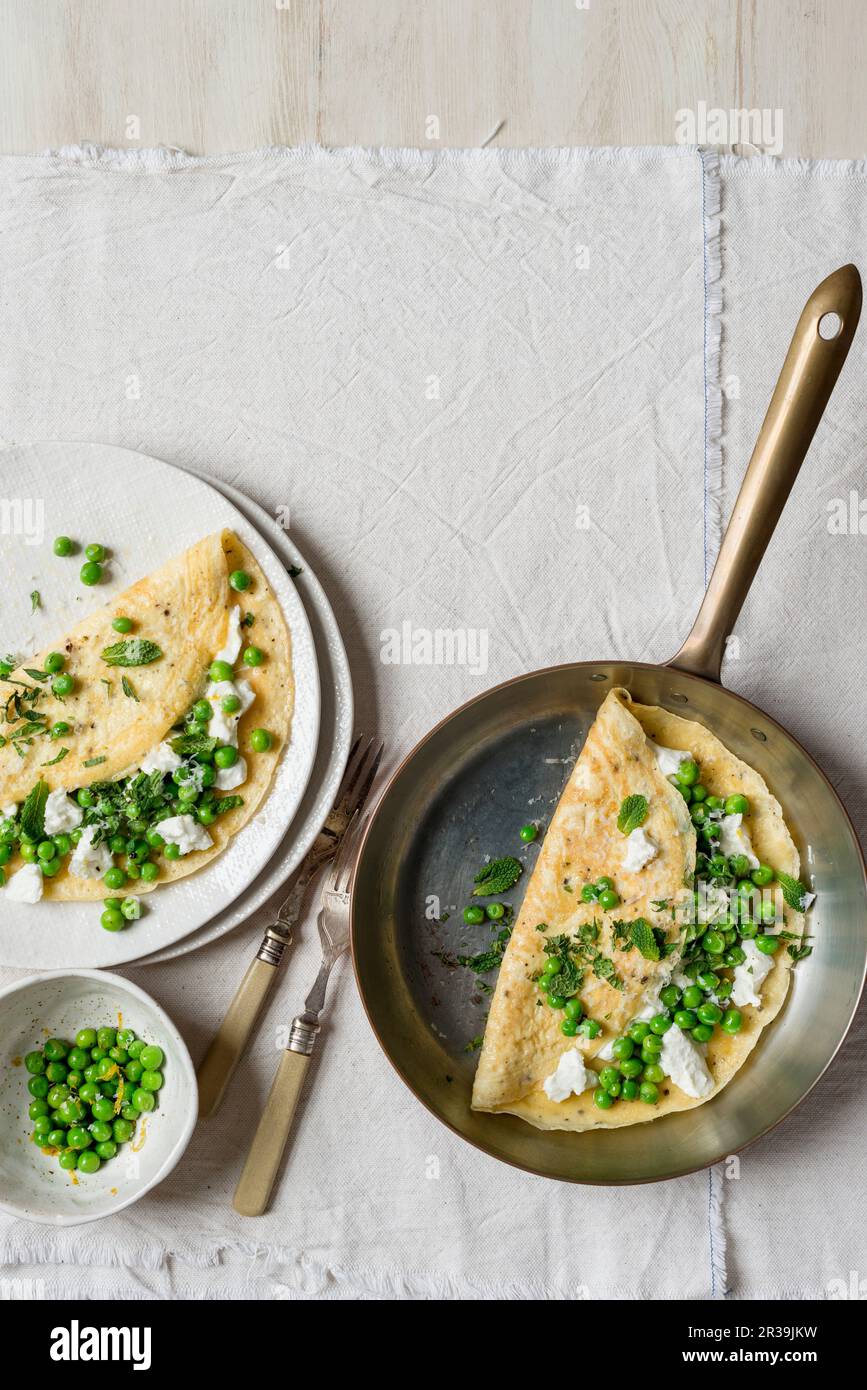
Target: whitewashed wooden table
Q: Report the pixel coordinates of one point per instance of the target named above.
(217, 75)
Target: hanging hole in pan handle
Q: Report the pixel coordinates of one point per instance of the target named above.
(813, 363)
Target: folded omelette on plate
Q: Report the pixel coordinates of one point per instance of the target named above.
(650, 949)
(160, 741)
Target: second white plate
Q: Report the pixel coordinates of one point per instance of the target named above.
(145, 512)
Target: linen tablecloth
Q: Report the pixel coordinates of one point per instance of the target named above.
(485, 391)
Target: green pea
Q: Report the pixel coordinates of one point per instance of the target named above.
(253, 656)
(724, 988)
(122, 1130)
(622, 1048)
(474, 916)
(685, 1019)
(56, 1071)
(95, 553)
(734, 956)
(731, 1022)
(630, 1090)
(762, 876)
(260, 740)
(660, 1024)
(57, 1138)
(557, 1001)
(748, 930)
(699, 793)
(106, 1037)
(63, 546)
(114, 877)
(88, 1162)
(569, 1027)
(574, 1009)
(55, 1049)
(50, 867)
(85, 1038)
(687, 773)
(106, 1150)
(35, 1063)
(143, 1100)
(37, 1108)
(739, 866)
(719, 867)
(768, 945)
(89, 1092)
(590, 1028)
(54, 662)
(28, 853)
(603, 883)
(131, 909)
(737, 805)
(150, 872)
(91, 573)
(698, 814)
(693, 996)
(226, 756)
(709, 1013)
(42, 1127)
(78, 1138)
(68, 1159)
(684, 791)
(133, 1070)
(654, 1073)
(122, 624)
(652, 1045)
(100, 1130)
(588, 893)
(702, 1032)
(670, 996)
(63, 844)
(638, 1030)
(609, 899)
(649, 1093)
(631, 1066)
(220, 671)
(603, 1098)
(713, 943)
(768, 911)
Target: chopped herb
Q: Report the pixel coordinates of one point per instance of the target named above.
(32, 820)
(294, 571)
(94, 762)
(475, 1043)
(226, 803)
(126, 686)
(603, 969)
(36, 675)
(248, 620)
(794, 892)
(799, 952)
(484, 962)
(35, 600)
(497, 877)
(135, 651)
(589, 932)
(190, 745)
(570, 976)
(633, 813)
(59, 759)
(107, 684)
(7, 666)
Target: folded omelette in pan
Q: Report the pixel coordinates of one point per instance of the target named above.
(128, 723)
(597, 967)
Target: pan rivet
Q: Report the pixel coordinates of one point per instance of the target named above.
(599, 676)
(681, 699)
(757, 733)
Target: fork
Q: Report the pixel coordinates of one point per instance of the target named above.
(231, 1039)
(266, 1151)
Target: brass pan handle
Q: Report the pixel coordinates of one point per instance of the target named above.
(809, 375)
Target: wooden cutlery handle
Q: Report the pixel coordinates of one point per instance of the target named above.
(266, 1151)
(230, 1043)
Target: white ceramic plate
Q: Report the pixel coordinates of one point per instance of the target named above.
(335, 736)
(32, 1185)
(146, 512)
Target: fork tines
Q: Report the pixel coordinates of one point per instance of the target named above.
(361, 768)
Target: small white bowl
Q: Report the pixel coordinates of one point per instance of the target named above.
(58, 1004)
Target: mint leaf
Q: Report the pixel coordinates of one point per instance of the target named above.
(35, 600)
(135, 651)
(642, 936)
(794, 892)
(32, 818)
(190, 745)
(128, 689)
(497, 877)
(633, 813)
(59, 759)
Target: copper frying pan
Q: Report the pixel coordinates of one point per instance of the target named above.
(438, 812)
